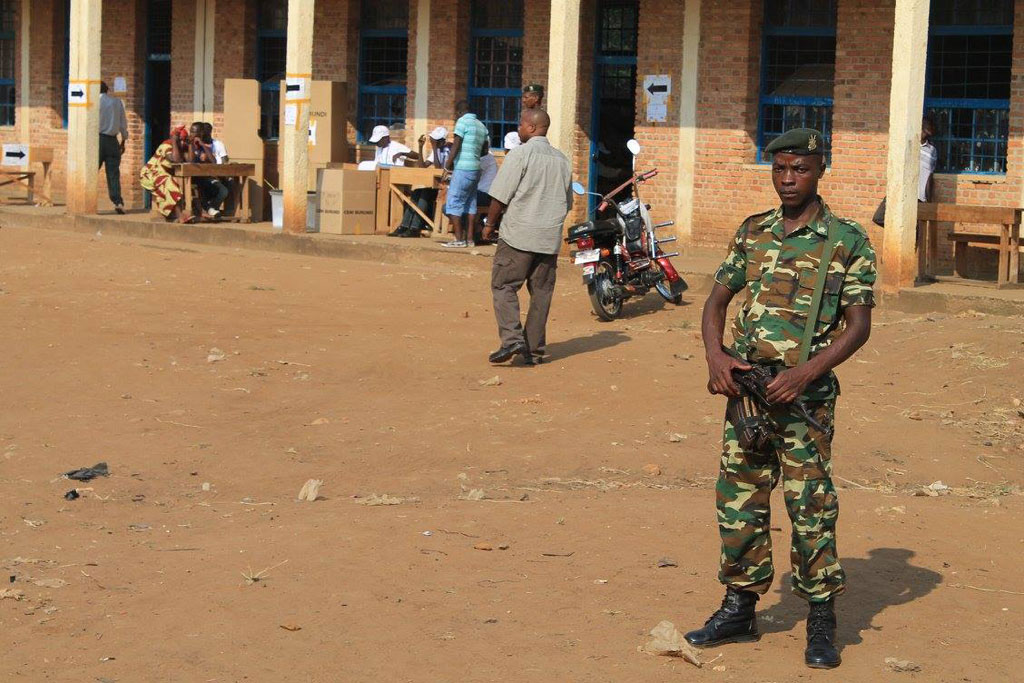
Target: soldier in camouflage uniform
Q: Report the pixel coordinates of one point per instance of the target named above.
(776, 257)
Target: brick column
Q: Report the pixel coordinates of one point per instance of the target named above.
(295, 136)
(83, 111)
(563, 73)
(906, 102)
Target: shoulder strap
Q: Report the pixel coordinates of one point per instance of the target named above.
(819, 289)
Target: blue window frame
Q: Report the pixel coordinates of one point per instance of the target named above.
(798, 58)
(8, 17)
(383, 65)
(496, 66)
(271, 57)
(967, 83)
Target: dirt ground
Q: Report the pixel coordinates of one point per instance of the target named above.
(370, 378)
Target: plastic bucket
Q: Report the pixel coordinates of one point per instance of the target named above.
(277, 210)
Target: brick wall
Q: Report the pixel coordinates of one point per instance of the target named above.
(660, 41)
(536, 24)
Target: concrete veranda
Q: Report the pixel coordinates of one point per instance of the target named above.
(697, 265)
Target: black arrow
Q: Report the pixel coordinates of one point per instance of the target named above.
(78, 93)
(293, 87)
(652, 88)
(17, 155)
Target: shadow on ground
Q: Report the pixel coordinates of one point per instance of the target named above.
(884, 579)
(596, 342)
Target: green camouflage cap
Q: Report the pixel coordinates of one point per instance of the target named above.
(534, 87)
(801, 141)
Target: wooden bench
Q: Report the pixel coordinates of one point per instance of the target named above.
(1007, 241)
(23, 175)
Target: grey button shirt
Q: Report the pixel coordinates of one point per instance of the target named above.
(535, 183)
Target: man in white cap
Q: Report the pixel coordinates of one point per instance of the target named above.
(425, 198)
(389, 152)
(512, 141)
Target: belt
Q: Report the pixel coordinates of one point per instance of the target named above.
(104, 135)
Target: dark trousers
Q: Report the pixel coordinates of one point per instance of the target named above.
(510, 270)
(424, 199)
(110, 154)
(213, 192)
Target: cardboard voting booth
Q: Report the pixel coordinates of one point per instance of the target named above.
(241, 137)
(328, 120)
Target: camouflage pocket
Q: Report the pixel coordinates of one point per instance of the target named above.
(829, 298)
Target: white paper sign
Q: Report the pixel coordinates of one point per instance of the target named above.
(120, 85)
(291, 114)
(78, 93)
(15, 155)
(312, 133)
(657, 90)
(296, 88)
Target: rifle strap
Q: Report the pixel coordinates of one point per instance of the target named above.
(819, 289)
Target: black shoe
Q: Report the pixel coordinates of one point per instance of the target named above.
(119, 209)
(734, 622)
(398, 232)
(821, 652)
(506, 353)
(411, 232)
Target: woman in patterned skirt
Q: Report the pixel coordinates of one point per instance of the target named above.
(157, 176)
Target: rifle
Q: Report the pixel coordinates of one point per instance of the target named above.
(748, 413)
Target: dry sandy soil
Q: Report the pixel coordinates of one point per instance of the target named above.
(368, 377)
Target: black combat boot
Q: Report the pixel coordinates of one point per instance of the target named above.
(734, 622)
(821, 652)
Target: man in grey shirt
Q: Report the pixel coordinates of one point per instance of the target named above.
(113, 122)
(534, 190)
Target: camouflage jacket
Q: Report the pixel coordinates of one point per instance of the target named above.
(781, 273)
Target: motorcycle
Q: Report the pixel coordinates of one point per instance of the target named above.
(621, 256)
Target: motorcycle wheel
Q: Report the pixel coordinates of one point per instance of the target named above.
(672, 292)
(605, 304)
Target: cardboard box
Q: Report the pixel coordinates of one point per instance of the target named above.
(347, 201)
(241, 131)
(328, 121)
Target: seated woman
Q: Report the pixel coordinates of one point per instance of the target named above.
(424, 197)
(157, 176)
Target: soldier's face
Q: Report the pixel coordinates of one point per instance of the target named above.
(796, 177)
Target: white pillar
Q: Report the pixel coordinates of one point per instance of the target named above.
(906, 105)
(419, 108)
(202, 83)
(688, 121)
(86, 24)
(295, 136)
(563, 72)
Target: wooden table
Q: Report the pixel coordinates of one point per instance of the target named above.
(186, 172)
(24, 176)
(401, 181)
(930, 214)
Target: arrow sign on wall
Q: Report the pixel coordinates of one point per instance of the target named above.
(654, 89)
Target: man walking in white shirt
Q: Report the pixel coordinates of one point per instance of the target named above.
(113, 122)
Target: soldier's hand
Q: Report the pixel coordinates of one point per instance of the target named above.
(720, 367)
(788, 385)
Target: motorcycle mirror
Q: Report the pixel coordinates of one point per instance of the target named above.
(634, 147)
(577, 188)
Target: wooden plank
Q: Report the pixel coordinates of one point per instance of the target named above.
(967, 213)
(1004, 256)
(234, 169)
(407, 200)
(1015, 254)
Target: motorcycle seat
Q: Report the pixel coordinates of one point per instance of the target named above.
(581, 230)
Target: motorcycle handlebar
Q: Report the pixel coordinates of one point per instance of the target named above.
(639, 178)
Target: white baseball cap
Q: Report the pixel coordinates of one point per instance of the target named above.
(378, 133)
(439, 133)
(512, 140)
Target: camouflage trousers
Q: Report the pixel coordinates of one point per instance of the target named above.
(800, 456)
